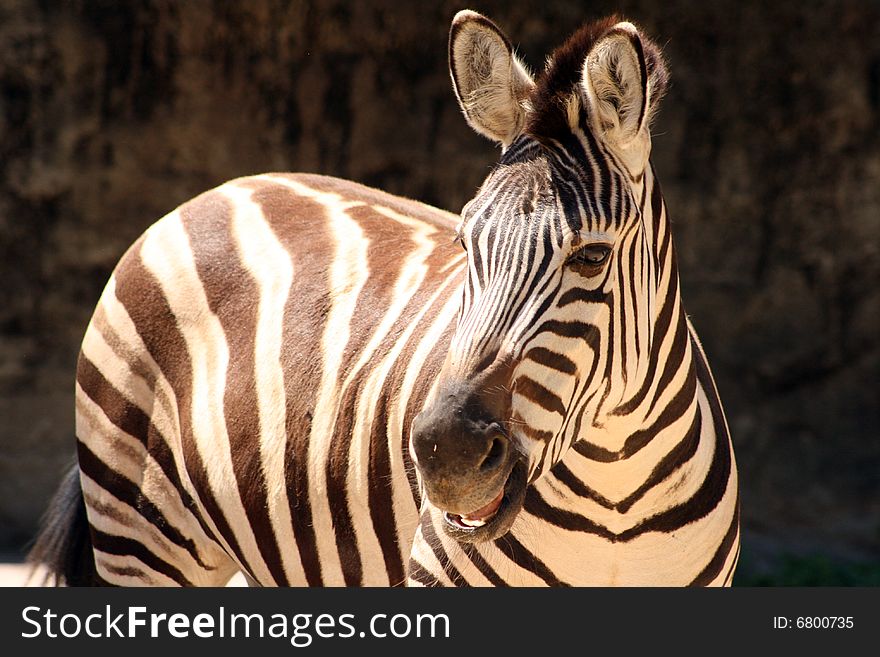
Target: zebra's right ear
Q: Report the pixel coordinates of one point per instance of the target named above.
(491, 84)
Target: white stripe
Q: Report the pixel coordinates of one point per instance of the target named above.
(166, 254)
(158, 402)
(348, 273)
(270, 264)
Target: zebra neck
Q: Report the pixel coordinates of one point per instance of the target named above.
(616, 463)
(662, 417)
(646, 311)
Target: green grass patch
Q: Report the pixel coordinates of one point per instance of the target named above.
(809, 571)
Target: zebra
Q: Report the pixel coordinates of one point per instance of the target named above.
(318, 383)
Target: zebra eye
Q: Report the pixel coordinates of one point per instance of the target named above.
(458, 239)
(589, 259)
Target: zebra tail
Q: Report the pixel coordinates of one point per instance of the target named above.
(63, 544)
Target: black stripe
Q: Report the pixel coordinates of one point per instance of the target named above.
(232, 293)
(536, 505)
(121, 413)
(379, 496)
(656, 212)
(677, 456)
(698, 506)
(610, 353)
(436, 545)
(683, 400)
(643, 75)
(568, 329)
(127, 547)
(477, 559)
(130, 494)
(296, 481)
(716, 563)
(139, 292)
(711, 492)
(733, 563)
(584, 168)
(604, 173)
(622, 335)
(661, 327)
(634, 296)
(522, 557)
(475, 259)
(570, 156)
(568, 201)
(579, 405)
(672, 361)
(336, 469)
(551, 359)
(420, 574)
(531, 293)
(128, 571)
(561, 472)
(130, 419)
(583, 295)
(538, 394)
(533, 287)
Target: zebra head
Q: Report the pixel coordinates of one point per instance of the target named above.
(557, 308)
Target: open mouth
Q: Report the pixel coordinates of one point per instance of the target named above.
(495, 518)
(479, 517)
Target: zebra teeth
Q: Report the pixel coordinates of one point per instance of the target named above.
(484, 513)
(463, 522)
(478, 518)
(471, 523)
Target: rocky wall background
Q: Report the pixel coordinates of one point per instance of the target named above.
(767, 145)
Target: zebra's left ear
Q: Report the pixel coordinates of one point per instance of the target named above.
(623, 78)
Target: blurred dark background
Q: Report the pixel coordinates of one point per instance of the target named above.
(767, 146)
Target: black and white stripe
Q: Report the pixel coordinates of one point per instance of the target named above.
(247, 387)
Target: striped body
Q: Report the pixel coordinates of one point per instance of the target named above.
(307, 380)
(250, 372)
(243, 479)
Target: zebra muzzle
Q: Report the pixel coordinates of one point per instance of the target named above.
(479, 517)
(494, 519)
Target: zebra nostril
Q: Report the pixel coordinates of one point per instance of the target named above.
(495, 455)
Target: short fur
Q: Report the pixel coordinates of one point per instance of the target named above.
(560, 79)
(490, 82)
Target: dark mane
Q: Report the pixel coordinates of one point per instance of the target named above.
(557, 81)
